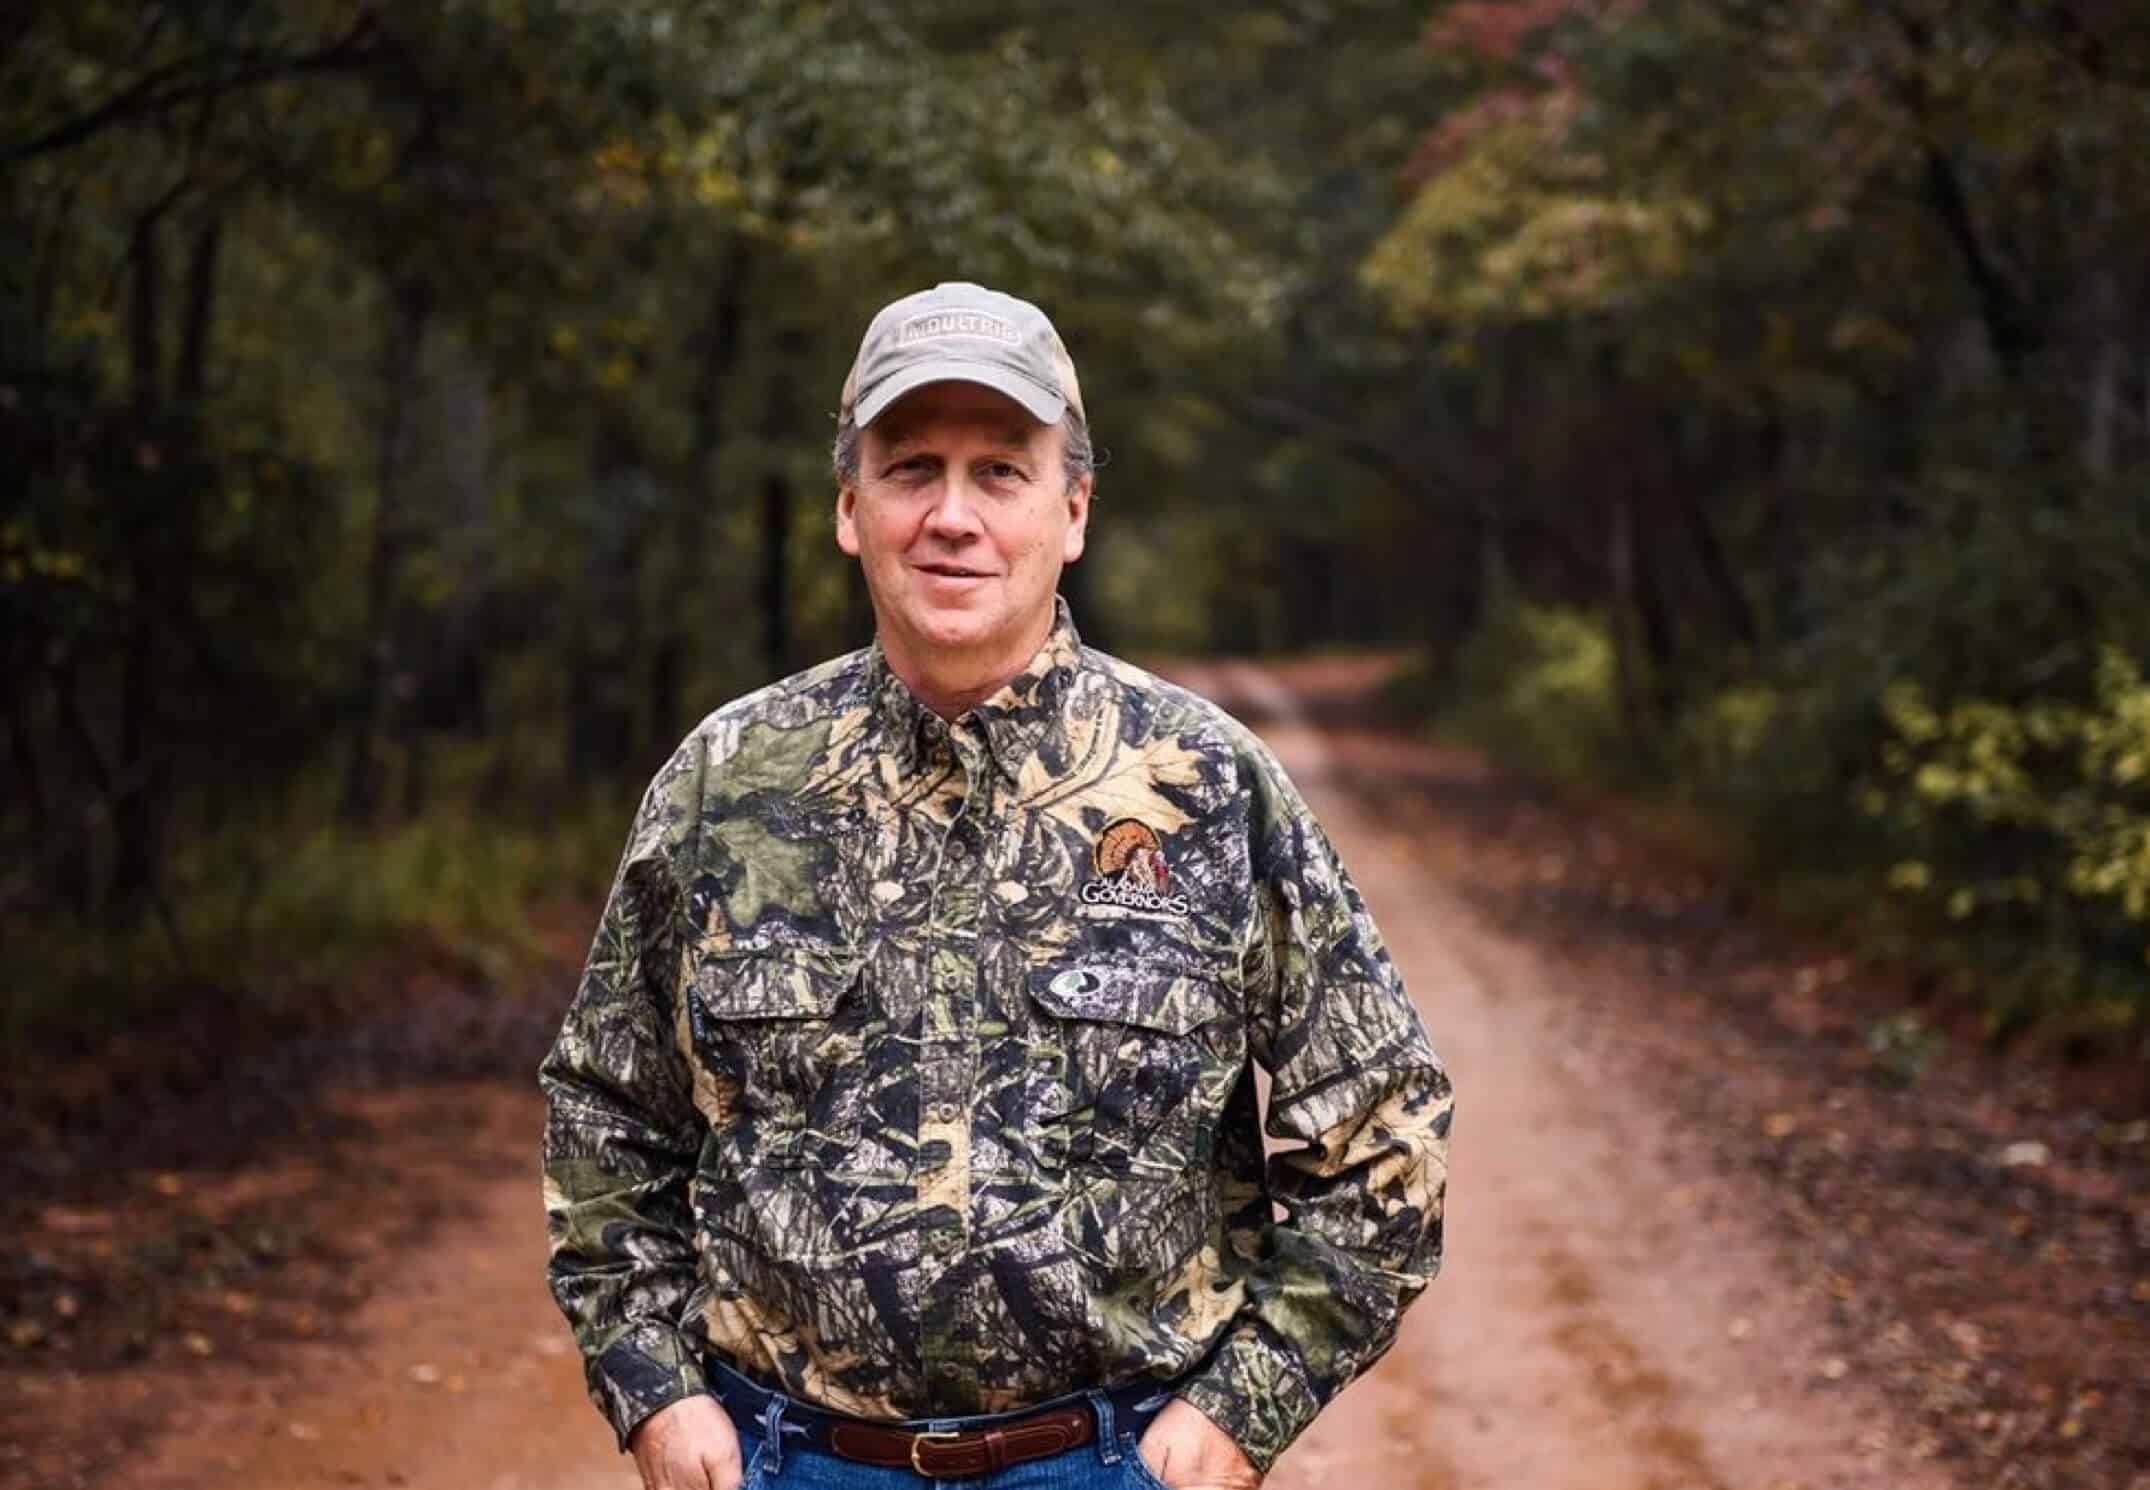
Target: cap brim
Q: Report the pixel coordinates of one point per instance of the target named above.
(1043, 406)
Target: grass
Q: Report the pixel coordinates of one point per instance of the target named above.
(263, 919)
(1535, 689)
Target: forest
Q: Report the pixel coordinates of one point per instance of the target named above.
(416, 417)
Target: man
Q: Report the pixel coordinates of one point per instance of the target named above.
(904, 1124)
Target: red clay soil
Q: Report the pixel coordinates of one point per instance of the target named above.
(1980, 1233)
(202, 1206)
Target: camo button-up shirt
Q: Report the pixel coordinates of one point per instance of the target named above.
(912, 1069)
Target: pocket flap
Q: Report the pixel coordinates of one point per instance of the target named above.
(1172, 1000)
(779, 982)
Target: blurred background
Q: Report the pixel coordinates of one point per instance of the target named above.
(414, 418)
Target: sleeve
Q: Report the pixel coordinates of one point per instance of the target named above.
(622, 1133)
(1358, 1092)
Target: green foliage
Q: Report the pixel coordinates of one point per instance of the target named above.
(1520, 227)
(420, 406)
(1791, 340)
(273, 920)
(1902, 1045)
(1534, 685)
(2029, 823)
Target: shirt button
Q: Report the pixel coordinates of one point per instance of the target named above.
(950, 1370)
(955, 848)
(942, 1112)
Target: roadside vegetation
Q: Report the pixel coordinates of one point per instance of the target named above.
(1798, 365)
(416, 420)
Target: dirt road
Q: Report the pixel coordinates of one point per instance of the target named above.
(1614, 1313)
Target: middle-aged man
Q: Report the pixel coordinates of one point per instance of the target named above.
(904, 1125)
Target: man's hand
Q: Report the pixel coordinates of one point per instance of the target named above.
(687, 1445)
(1188, 1452)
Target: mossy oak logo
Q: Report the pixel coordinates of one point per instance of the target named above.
(1131, 871)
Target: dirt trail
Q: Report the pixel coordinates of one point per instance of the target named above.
(1610, 1316)
(1613, 1314)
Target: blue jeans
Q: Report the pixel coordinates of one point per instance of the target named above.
(775, 1462)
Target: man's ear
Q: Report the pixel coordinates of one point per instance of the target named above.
(847, 532)
(1078, 499)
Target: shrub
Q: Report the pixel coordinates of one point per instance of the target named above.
(2027, 825)
(1537, 686)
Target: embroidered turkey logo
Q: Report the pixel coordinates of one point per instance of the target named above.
(1131, 850)
(1129, 859)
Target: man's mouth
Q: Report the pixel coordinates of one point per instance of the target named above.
(953, 571)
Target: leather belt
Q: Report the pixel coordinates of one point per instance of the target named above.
(952, 1455)
(980, 1446)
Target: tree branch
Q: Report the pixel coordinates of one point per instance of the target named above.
(161, 89)
(1295, 419)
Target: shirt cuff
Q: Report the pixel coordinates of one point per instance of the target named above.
(1254, 1390)
(651, 1366)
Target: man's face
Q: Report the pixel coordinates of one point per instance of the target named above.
(961, 518)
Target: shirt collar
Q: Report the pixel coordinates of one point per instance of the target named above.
(1013, 718)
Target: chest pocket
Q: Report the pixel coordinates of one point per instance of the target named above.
(1130, 1066)
(778, 1037)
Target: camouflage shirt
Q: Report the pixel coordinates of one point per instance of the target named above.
(911, 1068)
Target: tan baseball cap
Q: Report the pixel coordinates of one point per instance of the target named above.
(966, 333)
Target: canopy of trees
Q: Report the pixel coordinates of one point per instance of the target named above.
(420, 409)
(1821, 336)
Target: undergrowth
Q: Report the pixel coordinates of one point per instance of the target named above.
(2001, 846)
(266, 921)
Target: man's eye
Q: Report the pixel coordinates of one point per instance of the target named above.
(1001, 470)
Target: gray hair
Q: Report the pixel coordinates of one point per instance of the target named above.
(1078, 457)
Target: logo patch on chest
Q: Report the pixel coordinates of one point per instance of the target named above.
(1131, 872)
(1085, 990)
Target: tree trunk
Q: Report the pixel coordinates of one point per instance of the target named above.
(786, 355)
(88, 760)
(1716, 568)
(145, 357)
(139, 791)
(602, 685)
(720, 344)
(776, 497)
(2101, 434)
(191, 382)
(400, 346)
(52, 841)
(1651, 610)
(1620, 561)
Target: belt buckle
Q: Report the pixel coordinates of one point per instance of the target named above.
(918, 1438)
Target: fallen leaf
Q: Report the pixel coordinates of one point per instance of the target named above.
(72, 1220)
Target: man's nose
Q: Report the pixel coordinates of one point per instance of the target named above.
(955, 510)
